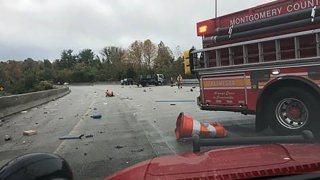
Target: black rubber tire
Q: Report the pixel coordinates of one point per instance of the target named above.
(309, 100)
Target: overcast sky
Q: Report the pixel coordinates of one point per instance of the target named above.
(41, 29)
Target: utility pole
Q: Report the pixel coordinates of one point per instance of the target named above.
(216, 8)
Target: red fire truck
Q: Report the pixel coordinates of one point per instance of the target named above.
(265, 61)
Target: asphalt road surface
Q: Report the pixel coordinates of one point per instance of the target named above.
(134, 127)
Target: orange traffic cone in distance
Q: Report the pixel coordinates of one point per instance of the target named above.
(109, 93)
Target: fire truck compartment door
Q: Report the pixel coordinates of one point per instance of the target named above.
(227, 90)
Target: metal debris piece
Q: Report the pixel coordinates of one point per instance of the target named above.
(144, 90)
(60, 117)
(29, 132)
(119, 147)
(172, 104)
(85, 154)
(23, 112)
(45, 112)
(7, 138)
(89, 136)
(94, 108)
(71, 137)
(138, 150)
(96, 116)
(191, 90)
(105, 103)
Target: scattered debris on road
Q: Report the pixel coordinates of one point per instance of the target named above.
(105, 103)
(119, 147)
(193, 87)
(7, 138)
(23, 142)
(144, 90)
(138, 150)
(36, 123)
(85, 154)
(60, 117)
(89, 136)
(172, 104)
(96, 115)
(71, 137)
(101, 132)
(45, 112)
(94, 108)
(191, 90)
(29, 133)
(23, 112)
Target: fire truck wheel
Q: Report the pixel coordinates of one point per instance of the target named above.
(291, 110)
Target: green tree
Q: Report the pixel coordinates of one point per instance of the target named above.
(86, 56)
(149, 53)
(68, 60)
(164, 58)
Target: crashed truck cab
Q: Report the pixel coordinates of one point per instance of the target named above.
(264, 61)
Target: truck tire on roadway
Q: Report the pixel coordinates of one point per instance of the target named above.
(291, 110)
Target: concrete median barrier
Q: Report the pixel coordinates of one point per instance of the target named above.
(16, 103)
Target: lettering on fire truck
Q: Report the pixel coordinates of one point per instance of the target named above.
(275, 12)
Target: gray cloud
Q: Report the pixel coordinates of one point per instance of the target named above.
(43, 28)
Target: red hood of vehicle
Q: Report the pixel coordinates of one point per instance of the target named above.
(239, 162)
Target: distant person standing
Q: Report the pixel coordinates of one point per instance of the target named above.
(179, 81)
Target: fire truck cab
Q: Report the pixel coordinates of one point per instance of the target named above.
(265, 61)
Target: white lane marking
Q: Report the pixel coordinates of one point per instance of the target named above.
(75, 129)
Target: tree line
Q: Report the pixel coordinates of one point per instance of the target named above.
(111, 64)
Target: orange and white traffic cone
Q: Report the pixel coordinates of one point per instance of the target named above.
(188, 127)
(109, 93)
